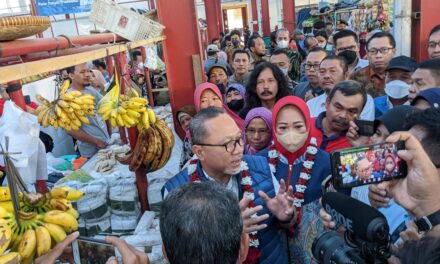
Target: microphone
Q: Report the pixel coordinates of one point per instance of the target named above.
(358, 218)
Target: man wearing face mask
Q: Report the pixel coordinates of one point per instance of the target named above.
(283, 39)
(281, 60)
(235, 95)
(347, 45)
(397, 84)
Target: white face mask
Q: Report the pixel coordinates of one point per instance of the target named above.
(321, 44)
(397, 89)
(292, 141)
(285, 70)
(283, 44)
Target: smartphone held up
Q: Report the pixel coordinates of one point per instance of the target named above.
(367, 164)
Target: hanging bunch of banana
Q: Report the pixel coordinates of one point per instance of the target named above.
(45, 220)
(153, 147)
(68, 111)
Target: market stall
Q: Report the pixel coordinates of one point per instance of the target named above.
(113, 183)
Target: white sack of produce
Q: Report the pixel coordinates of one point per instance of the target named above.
(99, 225)
(122, 224)
(157, 179)
(146, 222)
(156, 255)
(144, 239)
(23, 131)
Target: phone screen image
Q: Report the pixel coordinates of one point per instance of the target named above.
(86, 252)
(366, 165)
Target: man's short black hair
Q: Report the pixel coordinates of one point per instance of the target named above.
(228, 38)
(382, 35)
(341, 60)
(433, 66)
(318, 25)
(434, 30)
(197, 129)
(251, 41)
(306, 42)
(343, 34)
(349, 88)
(222, 34)
(235, 32)
(99, 63)
(70, 69)
(321, 33)
(429, 121)
(318, 49)
(135, 54)
(240, 51)
(201, 223)
(273, 36)
(280, 51)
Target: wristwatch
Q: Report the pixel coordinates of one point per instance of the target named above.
(426, 223)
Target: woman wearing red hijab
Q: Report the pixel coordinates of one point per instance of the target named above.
(207, 94)
(295, 157)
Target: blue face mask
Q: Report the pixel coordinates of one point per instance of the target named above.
(329, 47)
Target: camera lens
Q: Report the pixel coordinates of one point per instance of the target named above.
(330, 248)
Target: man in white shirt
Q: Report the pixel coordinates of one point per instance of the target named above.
(332, 70)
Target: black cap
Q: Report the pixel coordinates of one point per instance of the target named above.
(403, 63)
(221, 65)
(394, 119)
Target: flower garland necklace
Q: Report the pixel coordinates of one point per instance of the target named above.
(304, 176)
(248, 191)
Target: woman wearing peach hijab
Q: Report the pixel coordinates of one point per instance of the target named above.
(97, 81)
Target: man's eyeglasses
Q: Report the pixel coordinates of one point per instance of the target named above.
(381, 50)
(251, 132)
(433, 44)
(309, 66)
(229, 146)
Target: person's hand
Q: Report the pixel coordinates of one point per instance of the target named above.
(100, 144)
(309, 95)
(353, 136)
(411, 233)
(327, 219)
(281, 206)
(418, 191)
(377, 194)
(130, 255)
(250, 219)
(57, 251)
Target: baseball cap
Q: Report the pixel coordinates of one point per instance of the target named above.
(298, 32)
(432, 96)
(404, 63)
(212, 48)
(219, 65)
(342, 21)
(394, 118)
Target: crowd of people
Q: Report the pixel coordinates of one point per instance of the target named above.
(259, 137)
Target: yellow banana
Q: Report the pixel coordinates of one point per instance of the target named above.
(133, 114)
(5, 194)
(75, 93)
(73, 213)
(145, 121)
(43, 240)
(27, 244)
(121, 110)
(59, 192)
(56, 232)
(120, 121)
(88, 101)
(82, 118)
(139, 100)
(11, 258)
(64, 86)
(75, 106)
(113, 122)
(7, 205)
(67, 97)
(63, 104)
(63, 219)
(128, 121)
(88, 97)
(60, 204)
(151, 116)
(73, 194)
(132, 105)
(42, 100)
(106, 107)
(5, 235)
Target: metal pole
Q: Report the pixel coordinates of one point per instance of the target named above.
(402, 26)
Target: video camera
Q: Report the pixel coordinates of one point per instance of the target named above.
(366, 239)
